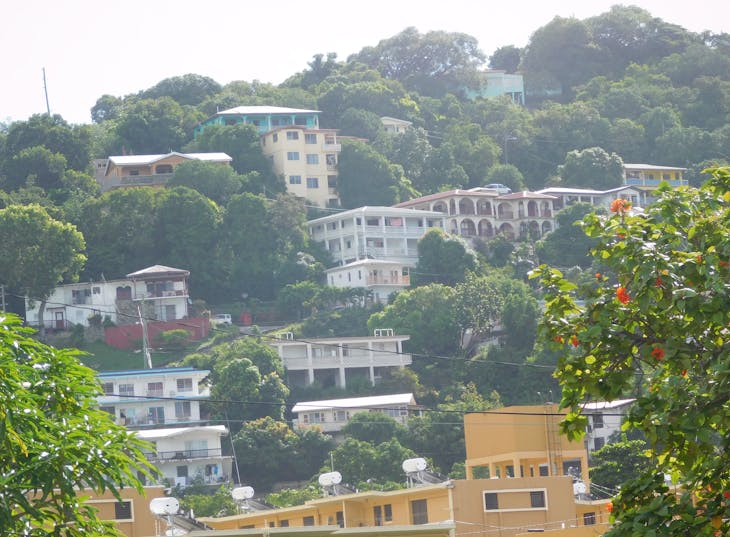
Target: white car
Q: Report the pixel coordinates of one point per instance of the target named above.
(222, 318)
(499, 187)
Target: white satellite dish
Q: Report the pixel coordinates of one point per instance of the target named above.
(242, 493)
(175, 532)
(164, 506)
(330, 478)
(579, 488)
(414, 465)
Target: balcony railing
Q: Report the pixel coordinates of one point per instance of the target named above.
(184, 454)
(389, 280)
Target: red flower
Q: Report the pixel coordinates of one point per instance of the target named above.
(620, 206)
(658, 282)
(598, 275)
(623, 295)
(658, 353)
(609, 506)
(684, 372)
(558, 339)
(726, 494)
(724, 264)
(621, 235)
(698, 259)
(574, 341)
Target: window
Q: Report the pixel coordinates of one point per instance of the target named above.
(308, 521)
(599, 442)
(182, 409)
(340, 519)
(419, 512)
(332, 181)
(543, 470)
(312, 182)
(292, 135)
(123, 510)
(378, 515)
(589, 519)
(312, 158)
(163, 168)
(372, 221)
(292, 155)
(331, 159)
(388, 509)
(154, 389)
(491, 502)
(108, 388)
(185, 385)
(276, 137)
(109, 410)
(156, 414)
(537, 499)
(295, 179)
(97, 290)
(597, 421)
(126, 389)
(310, 138)
(300, 120)
(284, 524)
(340, 415)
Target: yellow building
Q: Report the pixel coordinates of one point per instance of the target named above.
(503, 507)
(436, 530)
(522, 441)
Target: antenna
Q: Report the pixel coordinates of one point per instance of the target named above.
(145, 343)
(45, 91)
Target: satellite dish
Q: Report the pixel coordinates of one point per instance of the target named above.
(164, 506)
(330, 478)
(414, 465)
(579, 488)
(242, 493)
(175, 532)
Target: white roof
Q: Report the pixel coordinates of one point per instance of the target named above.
(159, 270)
(144, 160)
(650, 167)
(366, 263)
(356, 402)
(378, 211)
(388, 119)
(337, 340)
(249, 110)
(157, 434)
(558, 190)
(606, 405)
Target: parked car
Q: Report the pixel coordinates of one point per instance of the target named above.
(499, 187)
(222, 318)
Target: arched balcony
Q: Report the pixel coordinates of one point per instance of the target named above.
(467, 228)
(505, 211)
(507, 231)
(466, 206)
(484, 208)
(440, 207)
(485, 229)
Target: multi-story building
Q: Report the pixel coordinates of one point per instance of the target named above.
(160, 291)
(264, 118)
(332, 415)
(306, 157)
(373, 247)
(650, 175)
(522, 441)
(484, 213)
(567, 196)
(299, 150)
(604, 420)
(162, 406)
(334, 361)
(504, 507)
(146, 170)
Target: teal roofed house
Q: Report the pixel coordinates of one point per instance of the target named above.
(264, 118)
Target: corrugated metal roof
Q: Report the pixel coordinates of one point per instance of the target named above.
(651, 167)
(156, 434)
(377, 211)
(604, 405)
(249, 110)
(146, 160)
(154, 371)
(159, 270)
(356, 402)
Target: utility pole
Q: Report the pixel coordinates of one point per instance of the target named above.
(145, 345)
(2, 296)
(45, 90)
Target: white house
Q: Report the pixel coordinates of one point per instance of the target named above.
(333, 414)
(163, 406)
(567, 196)
(378, 276)
(393, 125)
(604, 419)
(335, 361)
(161, 291)
(484, 212)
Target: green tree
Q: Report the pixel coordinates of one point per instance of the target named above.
(442, 258)
(37, 253)
(365, 177)
(506, 58)
(656, 329)
(506, 174)
(189, 89)
(374, 427)
(36, 165)
(616, 463)
(152, 126)
(361, 462)
(592, 168)
(431, 64)
(568, 246)
(56, 441)
(478, 303)
(215, 181)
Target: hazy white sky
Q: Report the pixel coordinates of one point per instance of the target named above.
(94, 47)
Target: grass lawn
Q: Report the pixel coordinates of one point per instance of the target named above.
(102, 357)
